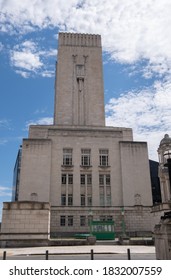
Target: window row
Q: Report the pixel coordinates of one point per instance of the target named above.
(85, 179)
(85, 157)
(86, 199)
(84, 220)
(69, 221)
(67, 200)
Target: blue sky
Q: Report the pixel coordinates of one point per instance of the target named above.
(136, 44)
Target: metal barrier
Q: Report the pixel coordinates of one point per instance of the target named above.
(4, 257)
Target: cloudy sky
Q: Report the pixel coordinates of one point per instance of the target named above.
(136, 40)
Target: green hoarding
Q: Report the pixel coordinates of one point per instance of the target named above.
(103, 230)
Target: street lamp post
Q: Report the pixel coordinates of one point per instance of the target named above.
(90, 215)
(123, 222)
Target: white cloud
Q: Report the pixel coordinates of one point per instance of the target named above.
(28, 58)
(131, 30)
(147, 111)
(41, 121)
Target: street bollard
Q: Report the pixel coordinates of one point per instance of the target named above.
(4, 255)
(92, 254)
(47, 256)
(129, 254)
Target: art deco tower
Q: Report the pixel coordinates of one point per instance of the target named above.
(79, 81)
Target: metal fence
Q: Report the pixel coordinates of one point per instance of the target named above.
(47, 254)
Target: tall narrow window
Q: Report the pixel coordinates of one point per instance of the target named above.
(89, 200)
(83, 201)
(105, 190)
(103, 156)
(64, 179)
(67, 157)
(62, 221)
(70, 179)
(70, 199)
(63, 199)
(85, 157)
(82, 179)
(66, 189)
(86, 189)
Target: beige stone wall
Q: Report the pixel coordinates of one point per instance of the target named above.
(35, 170)
(25, 220)
(138, 219)
(128, 168)
(136, 184)
(77, 139)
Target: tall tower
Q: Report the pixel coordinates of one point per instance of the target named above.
(79, 98)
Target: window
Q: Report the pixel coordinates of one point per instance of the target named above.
(89, 201)
(82, 179)
(62, 221)
(102, 218)
(109, 218)
(85, 179)
(108, 179)
(105, 190)
(101, 180)
(108, 200)
(82, 200)
(85, 157)
(86, 189)
(89, 179)
(106, 218)
(103, 156)
(70, 179)
(70, 221)
(82, 221)
(63, 199)
(70, 199)
(104, 179)
(64, 179)
(67, 179)
(67, 157)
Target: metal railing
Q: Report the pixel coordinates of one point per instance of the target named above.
(47, 254)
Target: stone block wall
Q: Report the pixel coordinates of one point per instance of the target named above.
(138, 220)
(25, 223)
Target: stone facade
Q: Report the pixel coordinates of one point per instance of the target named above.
(79, 165)
(137, 220)
(79, 98)
(25, 223)
(164, 150)
(162, 235)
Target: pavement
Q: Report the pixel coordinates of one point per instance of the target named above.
(75, 250)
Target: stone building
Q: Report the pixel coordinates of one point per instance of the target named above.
(164, 174)
(84, 169)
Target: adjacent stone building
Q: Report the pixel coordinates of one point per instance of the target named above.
(84, 169)
(164, 173)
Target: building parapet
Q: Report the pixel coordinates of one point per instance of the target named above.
(83, 40)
